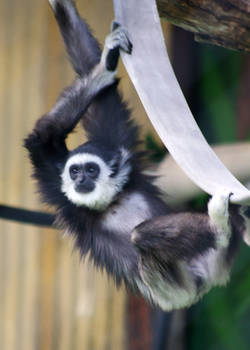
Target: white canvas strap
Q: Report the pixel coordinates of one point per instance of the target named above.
(152, 75)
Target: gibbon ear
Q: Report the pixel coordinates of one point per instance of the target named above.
(115, 164)
(120, 162)
(60, 166)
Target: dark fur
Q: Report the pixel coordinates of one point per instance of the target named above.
(108, 126)
(106, 120)
(176, 236)
(183, 236)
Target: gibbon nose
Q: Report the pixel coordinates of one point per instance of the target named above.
(84, 184)
(82, 179)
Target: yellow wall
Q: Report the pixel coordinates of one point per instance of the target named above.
(48, 299)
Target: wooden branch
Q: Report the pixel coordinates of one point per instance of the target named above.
(221, 22)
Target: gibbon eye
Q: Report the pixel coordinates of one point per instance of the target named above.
(74, 170)
(92, 169)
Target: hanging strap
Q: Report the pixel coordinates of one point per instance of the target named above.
(152, 75)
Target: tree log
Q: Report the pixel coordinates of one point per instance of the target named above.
(221, 22)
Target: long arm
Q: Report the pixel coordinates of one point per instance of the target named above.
(107, 121)
(83, 50)
(46, 144)
(53, 128)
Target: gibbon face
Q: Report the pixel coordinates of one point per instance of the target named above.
(84, 176)
(88, 181)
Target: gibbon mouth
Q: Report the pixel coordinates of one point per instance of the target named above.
(85, 187)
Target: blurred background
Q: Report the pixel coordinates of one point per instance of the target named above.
(50, 300)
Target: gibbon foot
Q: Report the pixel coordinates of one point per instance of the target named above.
(219, 215)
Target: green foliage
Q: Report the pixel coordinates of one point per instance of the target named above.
(220, 70)
(221, 320)
(199, 203)
(157, 152)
